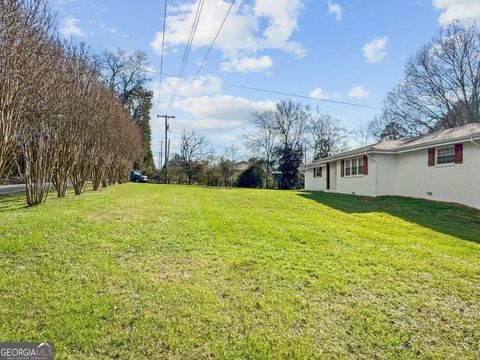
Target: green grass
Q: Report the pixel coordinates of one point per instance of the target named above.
(152, 271)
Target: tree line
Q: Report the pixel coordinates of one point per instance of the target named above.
(61, 121)
(278, 141)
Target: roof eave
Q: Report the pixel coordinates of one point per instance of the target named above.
(440, 142)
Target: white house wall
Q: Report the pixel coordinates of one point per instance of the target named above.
(453, 182)
(315, 183)
(386, 174)
(358, 184)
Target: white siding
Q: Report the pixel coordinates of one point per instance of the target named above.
(454, 183)
(315, 183)
(359, 184)
(386, 174)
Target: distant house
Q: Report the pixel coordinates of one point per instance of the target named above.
(443, 166)
(240, 167)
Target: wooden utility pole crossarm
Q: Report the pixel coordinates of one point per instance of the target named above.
(167, 142)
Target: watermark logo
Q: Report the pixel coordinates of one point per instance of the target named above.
(27, 351)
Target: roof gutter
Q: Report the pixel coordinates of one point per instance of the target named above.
(370, 157)
(436, 144)
(474, 143)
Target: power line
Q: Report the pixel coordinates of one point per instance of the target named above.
(215, 39)
(188, 47)
(300, 96)
(247, 87)
(163, 44)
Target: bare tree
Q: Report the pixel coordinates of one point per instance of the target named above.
(229, 163)
(39, 117)
(327, 136)
(264, 139)
(193, 149)
(290, 123)
(24, 34)
(441, 88)
(80, 75)
(363, 135)
(126, 75)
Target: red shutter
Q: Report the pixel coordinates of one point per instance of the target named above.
(365, 165)
(431, 157)
(342, 171)
(314, 172)
(321, 171)
(458, 153)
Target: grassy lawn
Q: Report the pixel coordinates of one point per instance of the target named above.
(152, 271)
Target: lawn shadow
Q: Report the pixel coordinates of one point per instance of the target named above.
(12, 202)
(451, 219)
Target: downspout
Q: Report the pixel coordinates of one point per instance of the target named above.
(474, 143)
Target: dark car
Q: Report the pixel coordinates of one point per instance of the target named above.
(137, 176)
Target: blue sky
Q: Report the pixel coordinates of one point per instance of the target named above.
(342, 50)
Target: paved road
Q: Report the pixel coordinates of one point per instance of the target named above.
(10, 189)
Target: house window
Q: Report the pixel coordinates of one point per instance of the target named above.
(446, 155)
(317, 172)
(354, 167)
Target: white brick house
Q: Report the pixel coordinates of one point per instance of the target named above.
(443, 166)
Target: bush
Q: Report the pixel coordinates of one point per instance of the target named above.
(251, 178)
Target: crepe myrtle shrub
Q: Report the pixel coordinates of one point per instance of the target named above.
(59, 120)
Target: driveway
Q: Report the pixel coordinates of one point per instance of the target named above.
(10, 189)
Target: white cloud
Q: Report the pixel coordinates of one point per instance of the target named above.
(282, 17)
(335, 9)
(206, 126)
(223, 107)
(267, 24)
(463, 10)
(203, 85)
(69, 27)
(248, 64)
(215, 115)
(359, 92)
(375, 50)
(318, 94)
(108, 28)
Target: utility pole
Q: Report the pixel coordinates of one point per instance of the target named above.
(160, 159)
(166, 117)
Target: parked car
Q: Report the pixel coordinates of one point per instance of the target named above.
(136, 176)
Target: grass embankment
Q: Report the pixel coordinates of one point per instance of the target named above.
(152, 271)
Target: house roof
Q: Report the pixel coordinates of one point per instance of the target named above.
(394, 146)
(242, 166)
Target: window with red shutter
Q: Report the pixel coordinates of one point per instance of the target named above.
(458, 153)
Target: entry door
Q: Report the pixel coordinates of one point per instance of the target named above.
(328, 176)
(333, 176)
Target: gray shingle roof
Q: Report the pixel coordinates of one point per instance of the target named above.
(392, 146)
(443, 136)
